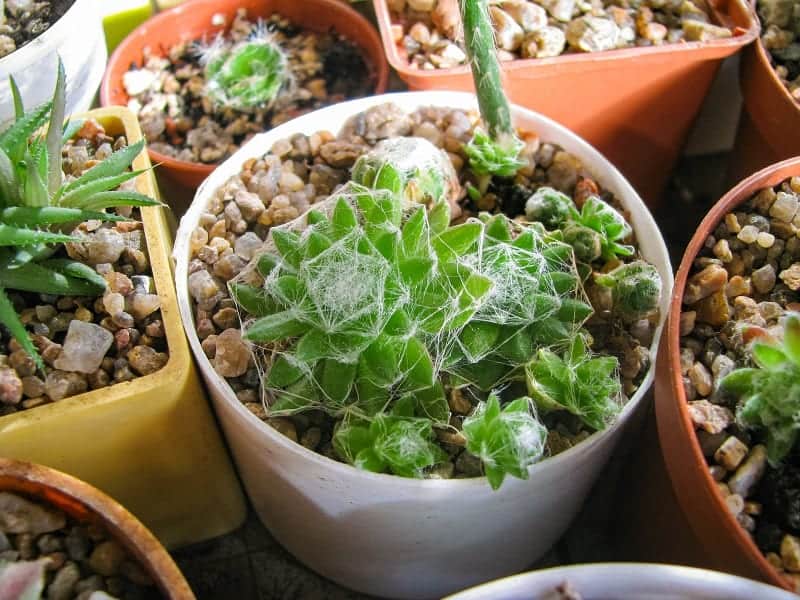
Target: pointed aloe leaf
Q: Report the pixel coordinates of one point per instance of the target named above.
(54, 132)
(33, 277)
(35, 189)
(18, 236)
(9, 183)
(19, 106)
(28, 216)
(113, 199)
(82, 196)
(72, 268)
(11, 321)
(113, 165)
(274, 328)
(14, 140)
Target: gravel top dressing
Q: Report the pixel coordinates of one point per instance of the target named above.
(24, 20)
(184, 117)
(429, 31)
(744, 287)
(780, 34)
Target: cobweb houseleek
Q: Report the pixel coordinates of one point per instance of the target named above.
(495, 151)
(38, 208)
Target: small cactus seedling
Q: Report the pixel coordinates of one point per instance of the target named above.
(769, 394)
(246, 75)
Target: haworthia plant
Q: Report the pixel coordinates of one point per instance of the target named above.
(769, 394)
(37, 206)
(495, 152)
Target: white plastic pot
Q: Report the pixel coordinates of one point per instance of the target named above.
(626, 581)
(388, 535)
(78, 37)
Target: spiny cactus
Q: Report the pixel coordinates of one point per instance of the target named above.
(769, 394)
(602, 218)
(38, 206)
(246, 75)
(497, 151)
(635, 289)
(507, 440)
(583, 385)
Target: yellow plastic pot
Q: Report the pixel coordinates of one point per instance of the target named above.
(151, 443)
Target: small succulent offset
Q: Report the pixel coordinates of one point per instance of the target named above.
(635, 289)
(507, 440)
(583, 385)
(497, 150)
(37, 206)
(246, 75)
(410, 167)
(769, 394)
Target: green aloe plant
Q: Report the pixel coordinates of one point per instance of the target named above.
(37, 206)
(246, 75)
(769, 393)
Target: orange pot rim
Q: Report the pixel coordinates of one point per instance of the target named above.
(85, 502)
(158, 21)
(741, 37)
(769, 176)
(764, 60)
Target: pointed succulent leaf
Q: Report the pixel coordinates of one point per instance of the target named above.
(116, 198)
(489, 157)
(55, 130)
(81, 196)
(252, 299)
(14, 140)
(439, 217)
(11, 321)
(26, 216)
(73, 268)
(283, 372)
(18, 236)
(456, 241)
(274, 327)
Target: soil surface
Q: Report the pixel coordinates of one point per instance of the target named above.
(170, 94)
(25, 20)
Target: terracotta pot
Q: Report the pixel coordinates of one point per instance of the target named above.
(192, 20)
(152, 442)
(393, 536)
(87, 504)
(771, 119)
(635, 105)
(716, 529)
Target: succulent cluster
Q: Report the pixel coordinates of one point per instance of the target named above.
(38, 207)
(246, 75)
(769, 393)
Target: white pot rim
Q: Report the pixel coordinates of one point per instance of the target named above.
(675, 580)
(334, 115)
(31, 53)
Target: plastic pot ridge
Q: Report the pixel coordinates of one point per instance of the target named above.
(388, 535)
(696, 491)
(635, 105)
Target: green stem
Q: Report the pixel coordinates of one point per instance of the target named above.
(479, 39)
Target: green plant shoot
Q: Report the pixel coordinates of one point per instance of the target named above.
(495, 152)
(769, 394)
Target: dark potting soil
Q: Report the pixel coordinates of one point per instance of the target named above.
(25, 26)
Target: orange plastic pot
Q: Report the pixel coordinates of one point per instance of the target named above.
(703, 506)
(770, 122)
(87, 504)
(635, 105)
(192, 20)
